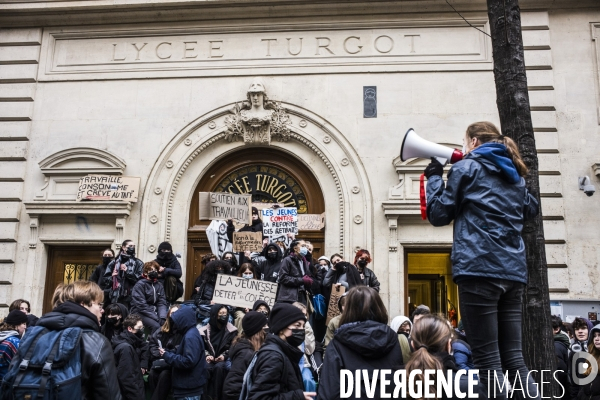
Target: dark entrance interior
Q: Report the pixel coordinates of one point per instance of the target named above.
(268, 174)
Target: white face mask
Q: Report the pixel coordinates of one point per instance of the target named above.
(247, 276)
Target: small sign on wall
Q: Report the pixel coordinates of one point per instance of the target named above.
(369, 101)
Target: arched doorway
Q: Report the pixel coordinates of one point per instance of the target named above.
(270, 175)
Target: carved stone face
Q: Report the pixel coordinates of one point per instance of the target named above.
(257, 99)
(256, 87)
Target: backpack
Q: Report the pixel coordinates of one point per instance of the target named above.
(319, 306)
(248, 382)
(46, 367)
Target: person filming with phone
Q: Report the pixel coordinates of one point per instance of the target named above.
(487, 199)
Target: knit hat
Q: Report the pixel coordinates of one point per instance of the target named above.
(253, 322)
(165, 246)
(16, 317)
(283, 315)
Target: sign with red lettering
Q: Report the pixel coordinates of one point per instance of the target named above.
(241, 292)
(280, 221)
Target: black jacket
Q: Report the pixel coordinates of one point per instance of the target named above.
(277, 376)
(172, 270)
(109, 330)
(561, 350)
(366, 345)
(98, 275)
(449, 366)
(127, 279)
(207, 288)
(267, 269)
(241, 355)
(169, 340)
(98, 370)
(591, 391)
(290, 279)
(131, 355)
(188, 361)
(370, 279)
(257, 226)
(148, 300)
(222, 348)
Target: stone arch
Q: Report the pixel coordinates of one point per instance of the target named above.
(313, 140)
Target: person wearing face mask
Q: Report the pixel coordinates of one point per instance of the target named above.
(160, 374)
(108, 255)
(132, 358)
(361, 260)
(243, 348)
(169, 272)
(207, 282)
(256, 226)
(229, 258)
(246, 271)
(363, 341)
(269, 262)
(217, 335)
(122, 274)
(276, 374)
(115, 314)
(295, 278)
(148, 298)
(402, 326)
(11, 331)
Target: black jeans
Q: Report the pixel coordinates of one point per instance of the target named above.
(491, 311)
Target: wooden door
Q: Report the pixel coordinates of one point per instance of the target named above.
(69, 264)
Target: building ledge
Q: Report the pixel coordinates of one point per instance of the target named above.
(119, 209)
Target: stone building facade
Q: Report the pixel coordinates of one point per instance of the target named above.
(155, 90)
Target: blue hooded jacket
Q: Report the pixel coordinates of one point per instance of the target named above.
(188, 362)
(488, 201)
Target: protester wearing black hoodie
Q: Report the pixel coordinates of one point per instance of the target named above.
(132, 357)
(122, 274)
(115, 315)
(276, 374)
(188, 361)
(218, 335)
(98, 371)
(269, 262)
(169, 272)
(207, 280)
(148, 298)
(257, 225)
(363, 341)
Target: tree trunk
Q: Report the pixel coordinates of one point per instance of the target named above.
(512, 99)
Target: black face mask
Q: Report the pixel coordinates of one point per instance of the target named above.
(223, 319)
(308, 256)
(139, 334)
(166, 256)
(297, 337)
(231, 261)
(219, 271)
(362, 263)
(265, 313)
(153, 275)
(272, 256)
(106, 260)
(131, 251)
(112, 320)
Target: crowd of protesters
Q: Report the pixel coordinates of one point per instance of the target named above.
(131, 336)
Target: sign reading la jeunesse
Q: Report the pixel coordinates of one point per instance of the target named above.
(280, 221)
(241, 292)
(108, 187)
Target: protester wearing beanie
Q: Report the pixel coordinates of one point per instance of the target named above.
(244, 346)
(11, 331)
(169, 273)
(276, 373)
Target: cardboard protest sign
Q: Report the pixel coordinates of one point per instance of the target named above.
(311, 222)
(280, 221)
(251, 241)
(333, 309)
(108, 187)
(241, 292)
(224, 206)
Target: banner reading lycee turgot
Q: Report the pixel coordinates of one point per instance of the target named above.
(224, 206)
(241, 292)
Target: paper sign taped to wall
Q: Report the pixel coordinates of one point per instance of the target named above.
(333, 310)
(280, 221)
(311, 222)
(108, 187)
(241, 292)
(224, 206)
(247, 241)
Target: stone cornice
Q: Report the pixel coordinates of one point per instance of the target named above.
(117, 209)
(14, 13)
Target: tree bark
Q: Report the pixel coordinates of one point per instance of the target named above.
(512, 99)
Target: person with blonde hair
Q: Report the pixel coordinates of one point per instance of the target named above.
(79, 304)
(487, 198)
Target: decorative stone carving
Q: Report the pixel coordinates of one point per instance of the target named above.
(302, 123)
(212, 125)
(151, 248)
(157, 190)
(326, 139)
(258, 120)
(355, 190)
(169, 164)
(345, 162)
(33, 231)
(154, 219)
(358, 219)
(187, 142)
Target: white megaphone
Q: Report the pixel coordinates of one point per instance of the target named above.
(414, 146)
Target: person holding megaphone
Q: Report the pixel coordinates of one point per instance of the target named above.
(487, 199)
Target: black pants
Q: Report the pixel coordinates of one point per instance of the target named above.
(214, 386)
(160, 383)
(491, 311)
